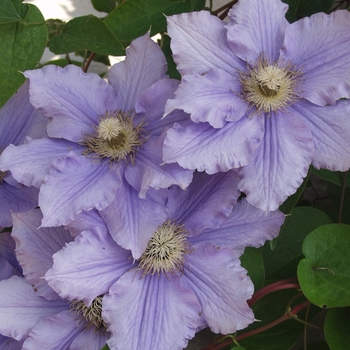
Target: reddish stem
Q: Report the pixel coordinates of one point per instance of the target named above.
(91, 57)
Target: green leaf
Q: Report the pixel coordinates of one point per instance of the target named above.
(302, 8)
(320, 345)
(282, 261)
(337, 329)
(105, 347)
(165, 46)
(253, 262)
(12, 11)
(238, 348)
(291, 201)
(22, 45)
(134, 18)
(324, 274)
(104, 5)
(86, 32)
(336, 177)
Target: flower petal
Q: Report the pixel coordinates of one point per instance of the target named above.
(209, 97)
(202, 147)
(319, 46)
(70, 98)
(257, 27)
(198, 43)
(14, 200)
(221, 286)
(60, 331)
(35, 248)
(30, 163)
(85, 221)
(88, 266)
(7, 250)
(18, 119)
(10, 344)
(6, 270)
(144, 65)
(281, 162)
(21, 309)
(206, 203)
(150, 313)
(132, 220)
(151, 104)
(247, 226)
(76, 183)
(330, 129)
(149, 172)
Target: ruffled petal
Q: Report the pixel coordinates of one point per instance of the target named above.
(150, 313)
(221, 286)
(247, 226)
(202, 147)
(285, 153)
(209, 97)
(18, 119)
(206, 203)
(151, 103)
(88, 266)
(14, 200)
(59, 332)
(198, 43)
(7, 250)
(144, 65)
(7, 343)
(85, 221)
(132, 220)
(71, 99)
(21, 309)
(30, 163)
(257, 27)
(330, 129)
(148, 171)
(35, 247)
(319, 46)
(77, 183)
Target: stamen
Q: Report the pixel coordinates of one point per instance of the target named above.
(115, 138)
(166, 250)
(270, 87)
(91, 315)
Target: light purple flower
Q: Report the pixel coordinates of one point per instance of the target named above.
(31, 312)
(18, 119)
(263, 96)
(100, 134)
(188, 277)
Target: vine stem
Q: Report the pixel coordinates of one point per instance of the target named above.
(91, 57)
(288, 315)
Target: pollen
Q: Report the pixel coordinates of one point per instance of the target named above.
(166, 250)
(91, 315)
(270, 87)
(115, 138)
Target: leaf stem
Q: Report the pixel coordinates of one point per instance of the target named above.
(91, 57)
(341, 205)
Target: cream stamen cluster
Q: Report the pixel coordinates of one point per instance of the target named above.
(269, 87)
(166, 250)
(115, 137)
(91, 314)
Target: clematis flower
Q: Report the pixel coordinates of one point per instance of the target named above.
(9, 267)
(18, 119)
(100, 134)
(33, 315)
(263, 96)
(188, 277)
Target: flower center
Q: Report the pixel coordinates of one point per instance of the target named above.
(269, 87)
(91, 314)
(115, 137)
(166, 250)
